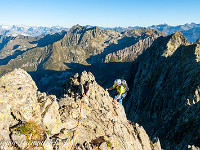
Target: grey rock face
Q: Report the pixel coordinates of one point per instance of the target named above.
(131, 53)
(18, 103)
(35, 120)
(18, 92)
(165, 91)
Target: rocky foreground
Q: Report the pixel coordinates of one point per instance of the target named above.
(34, 120)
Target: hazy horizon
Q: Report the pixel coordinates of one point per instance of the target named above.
(92, 25)
(67, 13)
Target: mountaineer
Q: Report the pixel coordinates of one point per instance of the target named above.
(121, 87)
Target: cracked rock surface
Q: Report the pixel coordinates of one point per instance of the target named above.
(34, 120)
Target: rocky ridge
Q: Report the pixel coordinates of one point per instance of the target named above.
(145, 38)
(79, 49)
(165, 91)
(81, 45)
(190, 31)
(34, 120)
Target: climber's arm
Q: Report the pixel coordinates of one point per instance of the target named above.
(111, 88)
(118, 96)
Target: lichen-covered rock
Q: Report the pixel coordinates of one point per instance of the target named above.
(87, 121)
(51, 118)
(18, 94)
(101, 121)
(18, 102)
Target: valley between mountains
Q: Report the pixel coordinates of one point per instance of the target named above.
(40, 103)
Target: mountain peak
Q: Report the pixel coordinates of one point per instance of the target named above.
(96, 28)
(178, 33)
(76, 26)
(175, 40)
(76, 29)
(179, 39)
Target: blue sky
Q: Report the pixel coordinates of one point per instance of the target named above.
(105, 13)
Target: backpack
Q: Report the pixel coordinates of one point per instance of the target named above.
(125, 84)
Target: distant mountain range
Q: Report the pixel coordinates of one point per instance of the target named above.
(190, 31)
(80, 47)
(14, 30)
(162, 71)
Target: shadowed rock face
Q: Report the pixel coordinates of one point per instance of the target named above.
(165, 91)
(31, 116)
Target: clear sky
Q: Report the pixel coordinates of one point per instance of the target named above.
(104, 13)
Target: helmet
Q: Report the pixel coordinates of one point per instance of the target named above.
(76, 75)
(117, 82)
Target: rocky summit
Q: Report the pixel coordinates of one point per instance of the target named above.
(78, 120)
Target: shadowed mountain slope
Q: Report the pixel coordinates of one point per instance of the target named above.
(165, 91)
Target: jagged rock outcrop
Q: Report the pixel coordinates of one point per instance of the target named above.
(18, 91)
(25, 113)
(18, 102)
(165, 91)
(34, 120)
(143, 40)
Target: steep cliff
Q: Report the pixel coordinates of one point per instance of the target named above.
(165, 91)
(34, 120)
